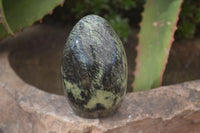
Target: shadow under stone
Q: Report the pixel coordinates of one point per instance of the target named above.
(36, 57)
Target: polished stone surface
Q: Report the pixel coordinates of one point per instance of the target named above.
(94, 68)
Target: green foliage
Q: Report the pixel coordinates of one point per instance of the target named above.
(120, 25)
(4, 27)
(189, 19)
(155, 39)
(17, 14)
(111, 10)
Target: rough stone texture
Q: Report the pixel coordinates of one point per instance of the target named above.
(26, 109)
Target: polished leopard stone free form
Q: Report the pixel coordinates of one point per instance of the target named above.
(94, 68)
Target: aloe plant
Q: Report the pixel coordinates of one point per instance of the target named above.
(18, 14)
(155, 38)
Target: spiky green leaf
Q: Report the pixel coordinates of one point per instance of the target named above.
(19, 14)
(155, 38)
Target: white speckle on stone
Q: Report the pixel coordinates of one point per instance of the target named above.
(65, 119)
(76, 41)
(5, 84)
(169, 23)
(17, 125)
(30, 125)
(139, 131)
(129, 116)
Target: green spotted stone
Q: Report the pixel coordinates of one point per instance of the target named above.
(94, 68)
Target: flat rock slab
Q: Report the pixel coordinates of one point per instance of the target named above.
(26, 109)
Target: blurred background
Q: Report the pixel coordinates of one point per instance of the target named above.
(124, 15)
(35, 53)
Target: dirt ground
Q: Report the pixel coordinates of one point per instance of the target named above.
(36, 57)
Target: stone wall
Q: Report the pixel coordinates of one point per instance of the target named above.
(26, 109)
